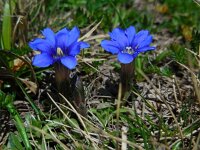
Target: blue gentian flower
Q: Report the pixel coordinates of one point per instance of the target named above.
(61, 47)
(127, 44)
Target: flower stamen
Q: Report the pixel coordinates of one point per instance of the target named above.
(128, 50)
(59, 51)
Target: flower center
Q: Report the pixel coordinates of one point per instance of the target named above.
(59, 52)
(128, 50)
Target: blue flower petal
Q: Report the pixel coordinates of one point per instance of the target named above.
(74, 49)
(130, 33)
(64, 39)
(140, 37)
(73, 36)
(42, 60)
(146, 42)
(84, 45)
(119, 35)
(41, 45)
(125, 58)
(147, 48)
(69, 61)
(135, 55)
(33, 44)
(50, 36)
(61, 41)
(110, 46)
(64, 30)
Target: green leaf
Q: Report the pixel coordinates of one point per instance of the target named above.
(6, 27)
(44, 143)
(14, 142)
(138, 64)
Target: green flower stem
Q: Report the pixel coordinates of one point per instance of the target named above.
(18, 121)
(127, 74)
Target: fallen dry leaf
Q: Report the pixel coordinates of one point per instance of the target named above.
(162, 8)
(30, 85)
(18, 63)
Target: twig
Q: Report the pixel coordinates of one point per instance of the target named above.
(174, 89)
(194, 79)
(91, 31)
(196, 146)
(163, 99)
(51, 136)
(189, 71)
(118, 109)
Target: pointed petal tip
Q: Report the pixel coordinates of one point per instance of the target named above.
(144, 49)
(84, 45)
(74, 49)
(110, 46)
(35, 42)
(42, 60)
(47, 29)
(130, 33)
(62, 31)
(73, 35)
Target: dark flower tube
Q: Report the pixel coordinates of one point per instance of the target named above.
(59, 49)
(127, 44)
(126, 76)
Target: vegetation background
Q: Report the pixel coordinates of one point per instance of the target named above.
(163, 110)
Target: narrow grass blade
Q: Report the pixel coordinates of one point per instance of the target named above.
(6, 27)
(8, 103)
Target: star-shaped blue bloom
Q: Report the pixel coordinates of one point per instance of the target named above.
(61, 47)
(127, 44)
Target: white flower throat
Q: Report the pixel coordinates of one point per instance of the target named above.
(59, 52)
(128, 50)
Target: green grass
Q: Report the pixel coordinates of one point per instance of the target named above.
(153, 119)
